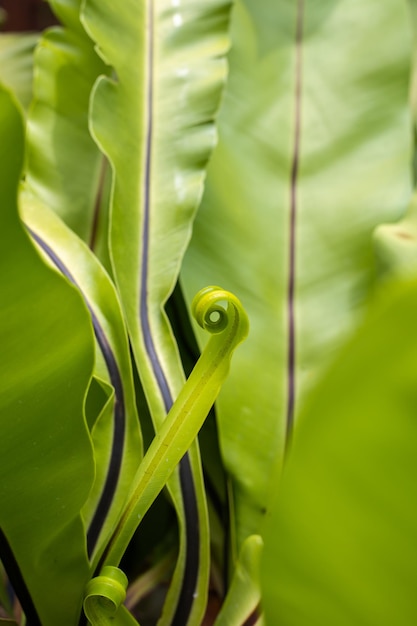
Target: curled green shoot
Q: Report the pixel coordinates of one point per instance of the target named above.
(104, 597)
(221, 314)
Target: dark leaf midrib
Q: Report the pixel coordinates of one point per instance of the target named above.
(119, 422)
(291, 356)
(188, 492)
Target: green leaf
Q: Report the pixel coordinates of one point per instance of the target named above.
(341, 544)
(241, 605)
(116, 434)
(46, 461)
(170, 196)
(104, 597)
(314, 152)
(64, 166)
(168, 77)
(221, 314)
(16, 64)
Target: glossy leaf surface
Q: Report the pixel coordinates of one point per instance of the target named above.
(159, 107)
(46, 461)
(155, 195)
(341, 543)
(64, 166)
(314, 152)
(116, 434)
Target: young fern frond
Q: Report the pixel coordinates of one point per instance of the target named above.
(221, 314)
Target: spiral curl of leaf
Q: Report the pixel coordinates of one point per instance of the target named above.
(221, 314)
(104, 597)
(216, 309)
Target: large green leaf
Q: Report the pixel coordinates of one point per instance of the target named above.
(64, 172)
(154, 122)
(64, 166)
(314, 152)
(341, 544)
(116, 435)
(46, 461)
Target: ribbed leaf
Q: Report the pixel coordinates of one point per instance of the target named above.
(154, 122)
(341, 544)
(116, 435)
(46, 460)
(315, 150)
(64, 166)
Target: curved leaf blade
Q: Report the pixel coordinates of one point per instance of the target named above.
(156, 191)
(103, 603)
(242, 602)
(160, 106)
(188, 412)
(340, 547)
(47, 360)
(64, 166)
(314, 152)
(116, 436)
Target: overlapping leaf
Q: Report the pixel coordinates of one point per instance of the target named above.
(242, 603)
(46, 460)
(341, 543)
(64, 166)
(228, 328)
(116, 434)
(154, 122)
(314, 152)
